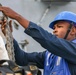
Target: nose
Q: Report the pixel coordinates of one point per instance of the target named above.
(55, 30)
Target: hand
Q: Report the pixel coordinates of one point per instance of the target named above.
(3, 26)
(1, 22)
(9, 12)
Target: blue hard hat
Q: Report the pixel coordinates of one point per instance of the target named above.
(64, 16)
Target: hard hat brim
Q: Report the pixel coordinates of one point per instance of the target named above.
(51, 25)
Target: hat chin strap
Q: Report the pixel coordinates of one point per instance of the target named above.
(68, 30)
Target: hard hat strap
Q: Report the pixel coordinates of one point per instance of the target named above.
(68, 30)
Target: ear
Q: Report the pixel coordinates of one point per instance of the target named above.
(73, 31)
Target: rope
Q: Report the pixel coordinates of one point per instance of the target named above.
(9, 41)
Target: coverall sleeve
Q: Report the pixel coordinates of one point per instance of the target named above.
(60, 47)
(23, 58)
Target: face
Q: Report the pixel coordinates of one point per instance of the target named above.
(60, 29)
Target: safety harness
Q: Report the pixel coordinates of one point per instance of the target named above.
(68, 30)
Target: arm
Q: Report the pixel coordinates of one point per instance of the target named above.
(23, 58)
(59, 47)
(12, 14)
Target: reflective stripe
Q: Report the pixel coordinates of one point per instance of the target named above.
(58, 61)
(47, 59)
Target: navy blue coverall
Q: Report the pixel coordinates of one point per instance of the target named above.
(57, 46)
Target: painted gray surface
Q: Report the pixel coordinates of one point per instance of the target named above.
(33, 10)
